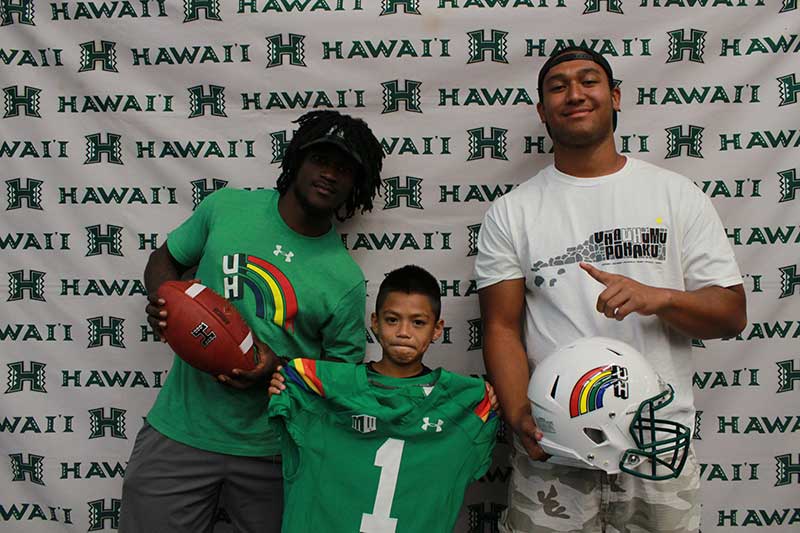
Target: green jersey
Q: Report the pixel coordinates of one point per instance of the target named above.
(303, 296)
(369, 453)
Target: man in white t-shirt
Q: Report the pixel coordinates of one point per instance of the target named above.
(599, 244)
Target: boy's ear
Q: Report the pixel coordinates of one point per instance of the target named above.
(374, 323)
(438, 329)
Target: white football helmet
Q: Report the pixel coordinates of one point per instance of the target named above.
(595, 401)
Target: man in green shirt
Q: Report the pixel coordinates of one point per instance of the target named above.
(276, 256)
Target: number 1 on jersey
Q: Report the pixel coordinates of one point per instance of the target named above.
(387, 458)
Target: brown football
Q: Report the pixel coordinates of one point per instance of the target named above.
(205, 330)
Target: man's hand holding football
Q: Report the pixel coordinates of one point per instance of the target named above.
(244, 379)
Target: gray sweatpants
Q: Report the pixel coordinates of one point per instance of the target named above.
(173, 488)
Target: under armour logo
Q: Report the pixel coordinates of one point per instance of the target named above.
(279, 251)
(426, 423)
(335, 131)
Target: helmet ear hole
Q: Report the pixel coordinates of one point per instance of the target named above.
(597, 436)
(555, 388)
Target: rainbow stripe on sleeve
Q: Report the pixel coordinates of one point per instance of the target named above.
(484, 409)
(303, 372)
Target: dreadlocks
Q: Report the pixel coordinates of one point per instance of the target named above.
(316, 124)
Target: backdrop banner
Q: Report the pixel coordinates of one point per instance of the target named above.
(119, 117)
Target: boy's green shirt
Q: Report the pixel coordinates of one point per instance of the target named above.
(366, 452)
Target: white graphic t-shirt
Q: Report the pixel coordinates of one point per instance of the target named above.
(644, 222)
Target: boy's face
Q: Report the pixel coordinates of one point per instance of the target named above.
(405, 327)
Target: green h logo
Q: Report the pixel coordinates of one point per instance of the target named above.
(18, 376)
(198, 101)
(95, 148)
(787, 375)
(790, 280)
(679, 45)
(31, 193)
(411, 191)
(612, 6)
(475, 334)
(788, 5)
(33, 469)
(191, 10)
(111, 240)
(785, 469)
(497, 46)
(410, 7)
(106, 56)
(788, 89)
(99, 423)
(29, 101)
(676, 140)
(479, 143)
(279, 145)
(294, 50)
(22, 8)
(114, 331)
(472, 239)
(200, 189)
(18, 285)
(393, 95)
(789, 184)
(98, 514)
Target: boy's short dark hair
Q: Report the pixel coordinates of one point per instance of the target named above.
(411, 279)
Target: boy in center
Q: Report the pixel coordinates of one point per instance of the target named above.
(385, 446)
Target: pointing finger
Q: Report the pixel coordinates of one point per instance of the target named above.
(596, 273)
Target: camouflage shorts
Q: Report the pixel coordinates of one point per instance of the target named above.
(545, 498)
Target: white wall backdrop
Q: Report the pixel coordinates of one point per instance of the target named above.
(119, 116)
